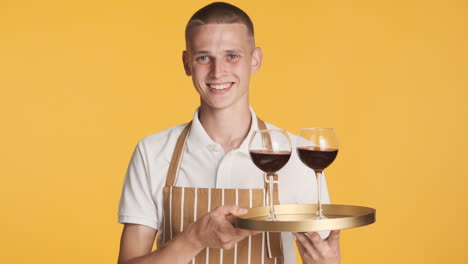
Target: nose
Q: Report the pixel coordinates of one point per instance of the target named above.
(218, 69)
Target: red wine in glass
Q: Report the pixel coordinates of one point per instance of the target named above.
(316, 158)
(317, 148)
(270, 161)
(270, 150)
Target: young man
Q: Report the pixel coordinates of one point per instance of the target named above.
(186, 182)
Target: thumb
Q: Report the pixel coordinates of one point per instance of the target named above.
(239, 211)
(232, 210)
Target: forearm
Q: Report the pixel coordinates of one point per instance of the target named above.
(181, 250)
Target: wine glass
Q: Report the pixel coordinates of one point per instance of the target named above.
(317, 148)
(270, 150)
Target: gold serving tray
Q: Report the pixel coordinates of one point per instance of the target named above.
(299, 218)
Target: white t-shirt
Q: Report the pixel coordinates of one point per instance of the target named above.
(205, 165)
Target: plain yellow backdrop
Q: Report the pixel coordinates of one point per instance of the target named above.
(82, 81)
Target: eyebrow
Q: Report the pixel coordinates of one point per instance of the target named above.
(233, 51)
(226, 51)
(200, 52)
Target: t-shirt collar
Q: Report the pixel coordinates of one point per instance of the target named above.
(244, 146)
(198, 139)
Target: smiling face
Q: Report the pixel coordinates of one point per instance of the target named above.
(220, 58)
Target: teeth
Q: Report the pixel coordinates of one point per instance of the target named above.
(219, 86)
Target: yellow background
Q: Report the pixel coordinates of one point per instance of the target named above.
(82, 81)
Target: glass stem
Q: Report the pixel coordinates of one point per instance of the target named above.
(319, 213)
(271, 201)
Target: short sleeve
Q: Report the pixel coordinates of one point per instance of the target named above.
(136, 203)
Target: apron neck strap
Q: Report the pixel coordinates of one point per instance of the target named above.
(174, 166)
(177, 156)
(266, 139)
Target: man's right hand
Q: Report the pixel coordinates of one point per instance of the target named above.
(215, 229)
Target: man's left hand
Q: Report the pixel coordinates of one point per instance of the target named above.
(315, 250)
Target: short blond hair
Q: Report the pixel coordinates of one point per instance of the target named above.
(219, 13)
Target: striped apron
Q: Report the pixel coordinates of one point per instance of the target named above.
(184, 205)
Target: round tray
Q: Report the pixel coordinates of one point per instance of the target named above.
(299, 218)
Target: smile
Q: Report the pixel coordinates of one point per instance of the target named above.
(220, 87)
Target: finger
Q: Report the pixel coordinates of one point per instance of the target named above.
(305, 243)
(239, 235)
(227, 229)
(317, 241)
(232, 217)
(243, 233)
(254, 233)
(239, 211)
(232, 220)
(300, 247)
(249, 232)
(231, 209)
(334, 238)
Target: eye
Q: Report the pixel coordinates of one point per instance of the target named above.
(233, 56)
(203, 59)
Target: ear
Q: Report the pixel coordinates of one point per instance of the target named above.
(185, 61)
(256, 59)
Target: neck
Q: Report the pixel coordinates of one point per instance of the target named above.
(227, 127)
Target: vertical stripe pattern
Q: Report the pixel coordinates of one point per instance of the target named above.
(170, 213)
(263, 248)
(184, 205)
(209, 209)
(192, 203)
(195, 205)
(182, 210)
(235, 246)
(221, 251)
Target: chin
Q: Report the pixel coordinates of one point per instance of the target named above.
(219, 106)
(225, 104)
